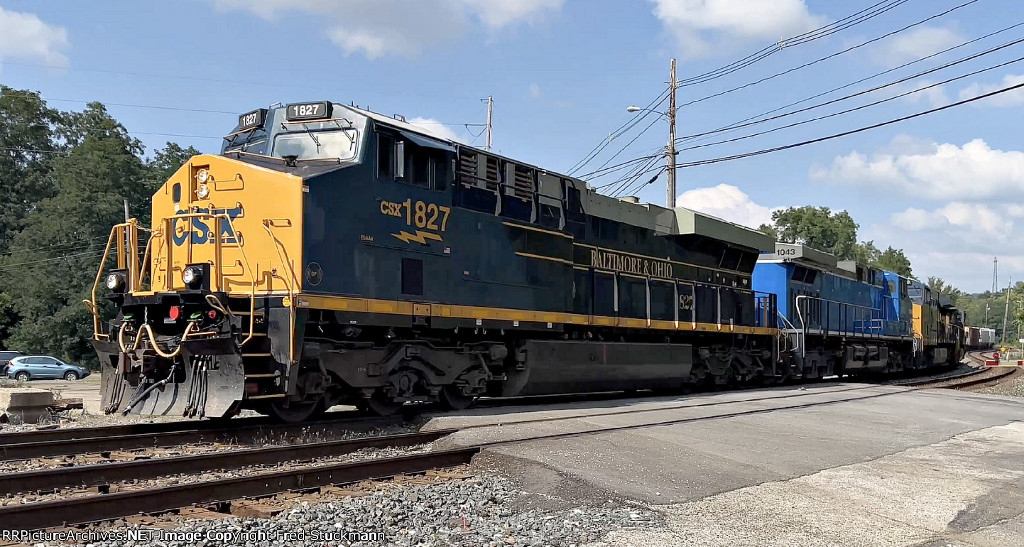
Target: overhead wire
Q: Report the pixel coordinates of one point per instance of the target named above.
(830, 56)
(774, 149)
(740, 123)
(852, 131)
(857, 108)
(622, 129)
(800, 39)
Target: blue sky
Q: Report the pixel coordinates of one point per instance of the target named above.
(947, 188)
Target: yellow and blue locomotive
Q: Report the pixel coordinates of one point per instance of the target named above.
(331, 255)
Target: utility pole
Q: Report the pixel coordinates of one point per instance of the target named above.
(1007, 312)
(490, 113)
(995, 273)
(670, 153)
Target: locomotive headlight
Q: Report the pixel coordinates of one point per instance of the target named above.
(202, 176)
(192, 276)
(203, 191)
(115, 282)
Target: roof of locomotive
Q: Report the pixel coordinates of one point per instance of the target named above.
(678, 221)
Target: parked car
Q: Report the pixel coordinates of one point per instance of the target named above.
(5, 358)
(39, 367)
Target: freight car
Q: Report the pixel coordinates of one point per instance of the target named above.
(840, 317)
(331, 254)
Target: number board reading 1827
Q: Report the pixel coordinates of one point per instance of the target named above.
(309, 111)
(252, 120)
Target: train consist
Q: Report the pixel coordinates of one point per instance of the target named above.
(332, 255)
(979, 338)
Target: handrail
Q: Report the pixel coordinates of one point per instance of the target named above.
(128, 259)
(872, 312)
(279, 247)
(218, 217)
(91, 304)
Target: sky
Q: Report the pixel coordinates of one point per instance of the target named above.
(947, 187)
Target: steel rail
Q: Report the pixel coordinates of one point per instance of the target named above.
(252, 433)
(106, 473)
(64, 512)
(71, 433)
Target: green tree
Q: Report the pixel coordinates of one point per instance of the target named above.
(26, 153)
(894, 260)
(817, 227)
(167, 160)
(59, 250)
(940, 286)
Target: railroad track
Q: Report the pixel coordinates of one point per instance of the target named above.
(100, 507)
(70, 441)
(97, 507)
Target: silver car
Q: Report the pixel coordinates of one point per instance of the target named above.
(39, 367)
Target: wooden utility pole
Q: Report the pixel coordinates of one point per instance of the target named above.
(1006, 313)
(490, 113)
(670, 153)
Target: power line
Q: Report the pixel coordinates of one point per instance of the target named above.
(827, 57)
(850, 132)
(742, 123)
(622, 129)
(861, 107)
(846, 133)
(810, 36)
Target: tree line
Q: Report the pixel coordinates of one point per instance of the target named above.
(64, 177)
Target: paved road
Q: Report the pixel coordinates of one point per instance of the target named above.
(831, 464)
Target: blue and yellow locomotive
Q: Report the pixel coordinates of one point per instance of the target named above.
(331, 255)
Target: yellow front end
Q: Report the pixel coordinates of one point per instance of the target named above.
(256, 212)
(191, 335)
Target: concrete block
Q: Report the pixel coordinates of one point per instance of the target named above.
(24, 404)
(24, 397)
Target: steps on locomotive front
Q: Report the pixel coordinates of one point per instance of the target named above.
(259, 364)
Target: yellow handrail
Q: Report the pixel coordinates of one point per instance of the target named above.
(217, 257)
(279, 247)
(127, 259)
(115, 235)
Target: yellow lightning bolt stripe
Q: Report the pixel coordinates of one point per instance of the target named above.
(419, 237)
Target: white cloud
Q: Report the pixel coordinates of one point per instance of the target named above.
(535, 91)
(915, 44)
(973, 172)
(1008, 99)
(435, 128)
(727, 202)
(702, 25)
(932, 96)
(399, 27)
(952, 240)
(24, 36)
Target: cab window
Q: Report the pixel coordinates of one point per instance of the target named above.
(385, 157)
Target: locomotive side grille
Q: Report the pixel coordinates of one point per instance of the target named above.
(468, 166)
(523, 182)
(491, 172)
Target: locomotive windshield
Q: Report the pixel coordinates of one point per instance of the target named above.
(332, 139)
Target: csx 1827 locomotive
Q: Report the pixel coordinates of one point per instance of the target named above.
(333, 255)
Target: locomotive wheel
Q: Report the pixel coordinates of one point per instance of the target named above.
(296, 412)
(452, 398)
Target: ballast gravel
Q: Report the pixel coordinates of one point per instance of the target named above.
(460, 512)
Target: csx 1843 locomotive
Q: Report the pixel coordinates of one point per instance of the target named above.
(333, 255)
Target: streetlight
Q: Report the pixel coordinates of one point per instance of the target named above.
(670, 153)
